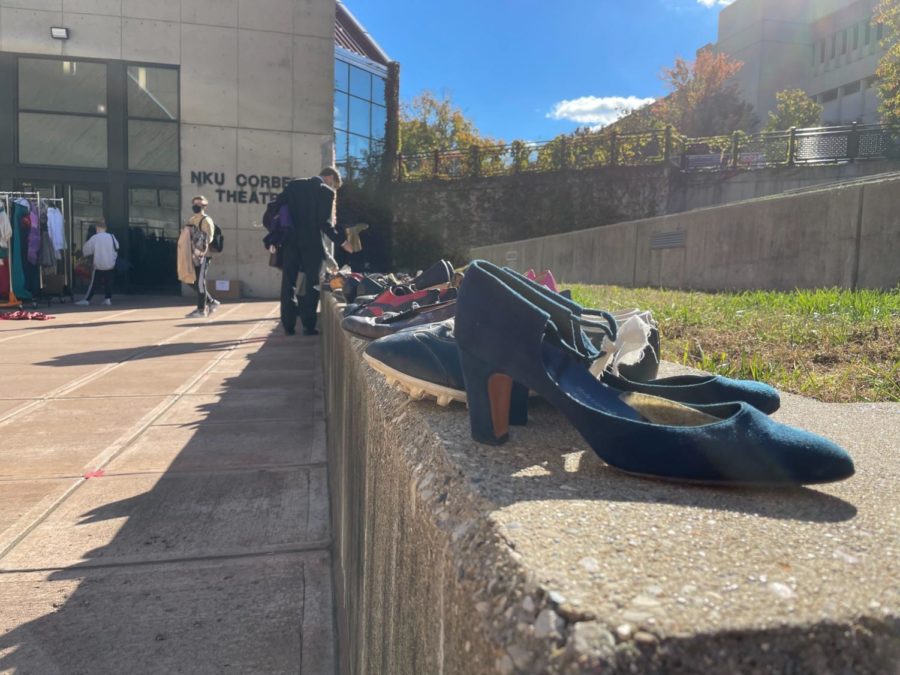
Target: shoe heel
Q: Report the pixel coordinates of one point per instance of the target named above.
(489, 395)
(518, 410)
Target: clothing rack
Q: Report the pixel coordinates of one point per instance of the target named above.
(60, 204)
(9, 198)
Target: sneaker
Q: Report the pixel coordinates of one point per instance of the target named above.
(196, 314)
(213, 306)
(83, 303)
(107, 302)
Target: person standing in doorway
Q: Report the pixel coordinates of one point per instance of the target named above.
(311, 202)
(202, 230)
(104, 247)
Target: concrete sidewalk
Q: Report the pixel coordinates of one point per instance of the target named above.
(163, 494)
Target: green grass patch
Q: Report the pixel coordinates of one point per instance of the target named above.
(830, 344)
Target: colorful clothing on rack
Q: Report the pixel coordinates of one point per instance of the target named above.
(19, 247)
(34, 235)
(48, 254)
(56, 228)
(5, 228)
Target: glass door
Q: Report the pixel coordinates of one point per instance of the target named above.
(86, 208)
(154, 224)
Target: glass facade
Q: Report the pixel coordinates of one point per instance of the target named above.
(360, 115)
(152, 118)
(63, 113)
(105, 137)
(154, 226)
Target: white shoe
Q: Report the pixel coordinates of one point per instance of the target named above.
(213, 306)
(107, 302)
(196, 314)
(83, 303)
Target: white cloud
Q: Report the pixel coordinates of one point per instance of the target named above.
(713, 3)
(596, 110)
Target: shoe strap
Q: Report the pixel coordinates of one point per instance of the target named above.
(625, 349)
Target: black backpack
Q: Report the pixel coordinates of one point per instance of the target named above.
(217, 243)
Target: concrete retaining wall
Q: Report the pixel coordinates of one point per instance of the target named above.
(456, 215)
(846, 236)
(534, 557)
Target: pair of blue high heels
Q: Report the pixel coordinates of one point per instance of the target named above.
(513, 336)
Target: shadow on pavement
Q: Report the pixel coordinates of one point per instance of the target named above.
(212, 529)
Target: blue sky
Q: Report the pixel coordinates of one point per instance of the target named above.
(526, 69)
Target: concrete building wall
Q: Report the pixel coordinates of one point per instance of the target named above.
(781, 45)
(847, 237)
(256, 93)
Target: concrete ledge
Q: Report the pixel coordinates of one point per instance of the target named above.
(535, 557)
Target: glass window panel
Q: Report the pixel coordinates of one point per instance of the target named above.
(360, 83)
(379, 121)
(341, 75)
(153, 92)
(62, 86)
(341, 104)
(359, 146)
(62, 140)
(359, 116)
(152, 146)
(378, 84)
(340, 146)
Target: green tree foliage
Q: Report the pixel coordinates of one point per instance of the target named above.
(888, 72)
(703, 99)
(795, 109)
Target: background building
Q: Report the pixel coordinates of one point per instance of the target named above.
(829, 48)
(146, 104)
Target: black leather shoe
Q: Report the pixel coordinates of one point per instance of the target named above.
(422, 361)
(310, 331)
(290, 331)
(436, 275)
(372, 327)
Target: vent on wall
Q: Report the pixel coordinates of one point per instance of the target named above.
(667, 240)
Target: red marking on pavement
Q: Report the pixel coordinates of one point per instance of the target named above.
(93, 474)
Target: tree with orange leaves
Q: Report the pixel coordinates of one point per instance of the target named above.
(704, 99)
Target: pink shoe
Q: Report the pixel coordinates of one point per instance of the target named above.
(547, 280)
(530, 275)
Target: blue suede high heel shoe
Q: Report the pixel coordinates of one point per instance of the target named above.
(690, 389)
(509, 333)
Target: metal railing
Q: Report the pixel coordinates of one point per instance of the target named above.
(795, 147)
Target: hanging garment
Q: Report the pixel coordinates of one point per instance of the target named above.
(48, 254)
(5, 228)
(187, 274)
(4, 278)
(18, 246)
(34, 236)
(56, 228)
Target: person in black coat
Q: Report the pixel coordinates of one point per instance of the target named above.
(311, 202)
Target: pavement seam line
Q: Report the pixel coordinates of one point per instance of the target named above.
(130, 437)
(90, 377)
(317, 546)
(224, 470)
(77, 323)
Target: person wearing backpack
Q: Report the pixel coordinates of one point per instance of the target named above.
(206, 240)
(105, 249)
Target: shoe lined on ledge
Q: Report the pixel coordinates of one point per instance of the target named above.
(439, 274)
(511, 336)
(389, 323)
(424, 361)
